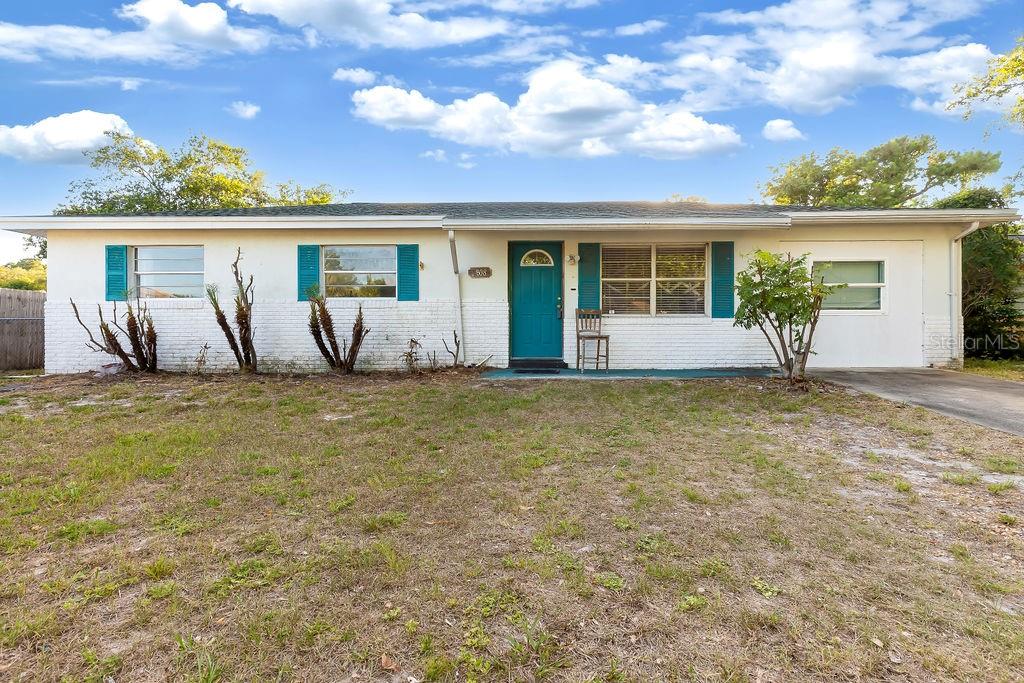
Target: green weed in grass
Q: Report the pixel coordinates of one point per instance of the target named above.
(162, 590)
(384, 521)
(692, 603)
(18, 627)
(247, 574)
(623, 523)
(343, 503)
(765, 588)
(199, 661)
(262, 543)
(650, 544)
(160, 568)
(902, 485)
(693, 495)
(1007, 519)
(1000, 487)
(960, 552)
(101, 669)
(611, 581)
(77, 531)
(1003, 465)
(960, 478)
(712, 567)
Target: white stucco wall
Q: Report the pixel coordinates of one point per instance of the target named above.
(76, 265)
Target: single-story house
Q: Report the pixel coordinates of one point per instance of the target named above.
(508, 277)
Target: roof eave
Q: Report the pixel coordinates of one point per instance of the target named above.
(37, 225)
(681, 223)
(985, 217)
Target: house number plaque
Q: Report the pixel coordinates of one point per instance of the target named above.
(480, 272)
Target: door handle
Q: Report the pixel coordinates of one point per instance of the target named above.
(560, 310)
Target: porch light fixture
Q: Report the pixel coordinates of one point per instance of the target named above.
(571, 259)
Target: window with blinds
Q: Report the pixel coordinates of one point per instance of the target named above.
(660, 279)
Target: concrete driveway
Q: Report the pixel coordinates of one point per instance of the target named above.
(986, 401)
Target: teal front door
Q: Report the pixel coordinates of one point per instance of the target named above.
(535, 284)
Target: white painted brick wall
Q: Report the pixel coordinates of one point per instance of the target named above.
(938, 343)
(646, 342)
(282, 338)
(284, 343)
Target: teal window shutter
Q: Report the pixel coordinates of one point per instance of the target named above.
(590, 275)
(309, 270)
(723, 277)
(408, 272)
(117, 272)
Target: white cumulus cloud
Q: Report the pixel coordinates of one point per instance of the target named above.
(170, 31)
(564, 111)
(641, 28)
(509, 6)
(356, 76)
(60, 139)
(438, 155)
(375, 23)
(781, 130)
(244, 110)
(815, 55)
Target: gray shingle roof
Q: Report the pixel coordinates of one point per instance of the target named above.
(507, 210)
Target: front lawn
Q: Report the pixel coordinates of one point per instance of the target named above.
(447, 528)
(1000, 369)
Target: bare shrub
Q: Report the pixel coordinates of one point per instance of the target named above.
(411, 357)
(242, 345)
(321, 325)
(456, 363)
(138, 330)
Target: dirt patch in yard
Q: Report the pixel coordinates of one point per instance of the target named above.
(443, 528)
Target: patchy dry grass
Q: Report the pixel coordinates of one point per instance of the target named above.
(1000, 369)
(452, 529)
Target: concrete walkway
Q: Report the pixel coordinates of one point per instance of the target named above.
(994, 403)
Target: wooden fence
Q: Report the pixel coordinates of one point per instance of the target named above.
(21, 329)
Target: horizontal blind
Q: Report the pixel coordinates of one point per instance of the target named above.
(680, 260)
(632, 261)
(626, 278)
(680, 271)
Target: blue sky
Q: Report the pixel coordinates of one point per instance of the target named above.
(443, 100)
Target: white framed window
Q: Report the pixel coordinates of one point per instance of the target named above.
(362, 270)
(865, 282)
(168, 272)
(654, 279)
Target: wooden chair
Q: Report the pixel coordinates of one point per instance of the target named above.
(588, 327)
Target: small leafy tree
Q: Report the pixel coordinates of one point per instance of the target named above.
(779, 296)
(242, 345)
(321, 325)
(138, 329)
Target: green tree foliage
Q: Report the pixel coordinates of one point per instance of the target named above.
(27, 273)
(897, 173)
(993, 278)
(1004, 80)
(38, 244)
(140, 177)
(778, 296)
